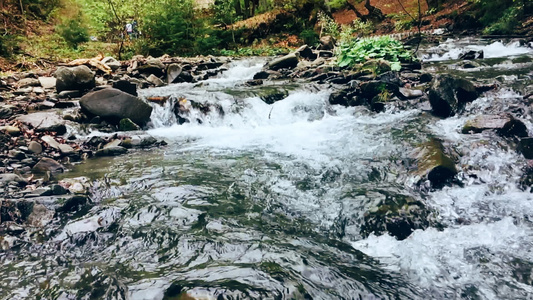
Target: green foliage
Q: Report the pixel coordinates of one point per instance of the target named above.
(310, 37)
(362, 28)
(9, 45)
(507, 23)
(328, 26)
(224, 12)
(74, 32)
(360, 50)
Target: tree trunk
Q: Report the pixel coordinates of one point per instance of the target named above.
(255, 4)
(357, 13)
(246, 8)
(374, 12)
(238, 9)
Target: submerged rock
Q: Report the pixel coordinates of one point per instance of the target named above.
(434, 164)
(114, 104)
(525, 146)
(399, 215)
(448, 94)
(111, 151)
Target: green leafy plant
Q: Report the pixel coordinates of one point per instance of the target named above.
(74, 32)
(309, 36)
(360, 50)
(328, 26)
(507, 22)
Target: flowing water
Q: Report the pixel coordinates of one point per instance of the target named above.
(266, 201)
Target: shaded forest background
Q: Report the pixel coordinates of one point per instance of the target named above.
(54, 30)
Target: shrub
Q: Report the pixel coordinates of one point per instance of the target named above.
(74, 32)
(360, 50)
(310, 37)
(507, 22)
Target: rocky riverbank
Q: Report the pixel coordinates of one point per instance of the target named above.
(90, 108)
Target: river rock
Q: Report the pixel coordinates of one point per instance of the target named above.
(409, 93)
(66, 149)
(399, 215)
(448, 94)
(6, 111)
(26, 82)
(289, 61)
(114, 104)
(44, 121)
(472, 54)
(306, 52)
(7, 178)
(11, 130)
(40, 216)
(153, 66)
(173, 73)
(73, 203)
(505, 125)
(155, 80)
(48, 165)
(50, 141)
(327, 42)
(111, 62)
(35, 148)
(111, 151)
(128, 125)
(47, 82)
(126, 86)
(77, 78)
(525, 146)
(433, 163)
(78, 185)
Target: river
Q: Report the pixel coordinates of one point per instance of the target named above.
(266, 201)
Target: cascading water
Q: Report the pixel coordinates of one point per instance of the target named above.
(256, 200)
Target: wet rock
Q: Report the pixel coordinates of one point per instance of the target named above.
(5, 111)
(254, 82)
(306, 52)
(128, 125)
(77, 78)
(11, 130)
(525, 146)
(153, 66)
(7, 178)
(44, 121)
(40, 216)
(289, 61)
(505, 125)
(346, 97)
(58, 190)
(47, 82)
(78, 185)
(35, 148)
(111, 151)
(66, 149)
(16, 154)
(449, 94)
(117, 105)
(46, 165)
(325, 53)
(327, 43)
(23, 91)
(262, 75)
(50, 141)
(173, 73)
(73, 204)
(398, 215)
(426, 77)
(111, 62)
(472, 54)
(26, 82)
(377, 66)
(155, 80)
(410, 94)
(142, 141)
(69, 94)
(434, 164)
(126, 86)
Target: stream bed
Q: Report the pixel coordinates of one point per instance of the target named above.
(266, 201)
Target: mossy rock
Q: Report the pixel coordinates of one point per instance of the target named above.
(434, 164)
(128, 125)
(398, 215)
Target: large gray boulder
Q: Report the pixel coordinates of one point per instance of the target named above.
(116, 105)
(48, 165)
(449, 94)
(289, 61)
(76, 78)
